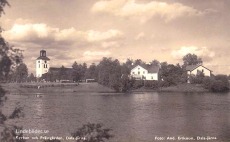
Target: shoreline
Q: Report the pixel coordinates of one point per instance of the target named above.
(91, 88)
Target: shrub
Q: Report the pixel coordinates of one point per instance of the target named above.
(151, 84)
(138, 84)
(217, 84)
(163, 84)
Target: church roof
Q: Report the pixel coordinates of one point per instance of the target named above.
(43, 58)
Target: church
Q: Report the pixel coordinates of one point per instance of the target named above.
(42, 64)
(44, 71)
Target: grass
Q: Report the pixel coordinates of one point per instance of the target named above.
(54, 87)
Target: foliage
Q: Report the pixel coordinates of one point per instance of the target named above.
(151, 84)
(91, 72)
(196, 79)
(8, 59)
(92, 133)
(217, 83)
(126, 83)
(31, 78)
(79, 71)
(155, 62)
(21, 73)
(171, 74)
(109, 73)
(138, 84)
(191, 59)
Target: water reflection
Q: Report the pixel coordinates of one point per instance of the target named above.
(133, 117)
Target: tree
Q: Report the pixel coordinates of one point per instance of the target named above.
(7, 60)
(155, 62)
(21, 73)
(171, 74)
(138, 62)
(92, 133)
(191, 59)
(91, 72)
(31, 78)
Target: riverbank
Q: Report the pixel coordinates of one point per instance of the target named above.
(89, 87)
(178, 88)
(55, 87)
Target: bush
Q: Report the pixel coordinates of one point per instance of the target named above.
(138, 84)
(151, 84)
(217, 84)
(163, 84)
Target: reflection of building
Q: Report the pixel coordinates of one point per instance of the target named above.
(42, 64)
(145, 72)
(196, 70)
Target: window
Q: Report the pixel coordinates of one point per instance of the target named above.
(38, 61)
(39, 66)
(138, 68)
(44, 65)
(138, 72)
(202, 70)
(133, 72)
(45, 61)
(151, 77)
(143, 72)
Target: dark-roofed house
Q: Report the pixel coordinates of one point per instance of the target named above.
(196, 69)
(145, 72)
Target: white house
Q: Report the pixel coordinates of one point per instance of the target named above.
(145, 72)
(196, 69)
(42, 64)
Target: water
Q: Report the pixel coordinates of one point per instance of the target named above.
(134, 117)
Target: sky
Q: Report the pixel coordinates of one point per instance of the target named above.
(88, 30)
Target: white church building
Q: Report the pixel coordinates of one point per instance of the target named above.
(42, 64)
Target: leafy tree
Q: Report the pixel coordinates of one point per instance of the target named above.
(7, 60)
(21, 73)
(155, 62)
(62, 73)
(191, 59)
(91, 72)
(92, 133)
(31, 78)
(171, 74)
(138, 62)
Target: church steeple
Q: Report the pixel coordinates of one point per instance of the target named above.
(42, 53)
(42, 64)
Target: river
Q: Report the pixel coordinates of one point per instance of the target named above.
(133, 117)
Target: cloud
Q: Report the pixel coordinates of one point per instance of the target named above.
(42, 34)
(30, 33)
(202, 52)
(110, 44)
(94, 56)
(100, 36)
(144, 12)
(140, 35)
(96, 53)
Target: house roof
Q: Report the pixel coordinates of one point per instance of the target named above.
(43, 58)
(193, 67)
(149, 68)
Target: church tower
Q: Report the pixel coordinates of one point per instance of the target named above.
(42, 64)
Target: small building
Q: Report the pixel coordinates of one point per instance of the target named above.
(145, 72)
(196, 69)
(42, 64)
